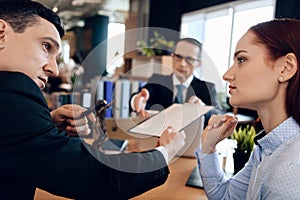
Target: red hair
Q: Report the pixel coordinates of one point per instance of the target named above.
(280, 37)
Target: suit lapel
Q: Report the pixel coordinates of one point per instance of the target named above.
(193, 88)
(169, 89)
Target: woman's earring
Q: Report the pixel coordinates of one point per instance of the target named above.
(281, 78)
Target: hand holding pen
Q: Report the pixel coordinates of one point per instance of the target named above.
(99, 107)
(73, 119)
(69, 118)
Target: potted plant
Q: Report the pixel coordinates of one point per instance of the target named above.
(158, 45)
(244, 140)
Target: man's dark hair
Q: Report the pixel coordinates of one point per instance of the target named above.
(192, 41)
(21, 14)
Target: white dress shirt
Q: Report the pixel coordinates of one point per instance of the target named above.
(186, 84)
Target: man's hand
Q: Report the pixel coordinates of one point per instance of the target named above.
(67, 118)
(219, 127)
(172, 141)
(140, 102)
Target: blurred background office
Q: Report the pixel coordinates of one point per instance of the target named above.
(114, 30)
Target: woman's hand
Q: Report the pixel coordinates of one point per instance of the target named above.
(219, 127)
(67, 118)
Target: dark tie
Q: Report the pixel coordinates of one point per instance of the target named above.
(179, 97)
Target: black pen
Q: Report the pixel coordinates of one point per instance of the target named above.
(102, 104)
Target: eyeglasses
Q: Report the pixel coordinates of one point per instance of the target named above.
(187, 59)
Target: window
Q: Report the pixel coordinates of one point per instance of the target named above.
(219, 29)
(115, 46)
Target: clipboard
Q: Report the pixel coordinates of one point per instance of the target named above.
(177, 115)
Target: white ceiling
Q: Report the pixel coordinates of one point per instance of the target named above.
(73, 11)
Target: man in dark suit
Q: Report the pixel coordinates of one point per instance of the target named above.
(33, 152)
(161, 91)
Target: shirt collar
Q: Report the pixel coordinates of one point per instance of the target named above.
(278, 136)
(259, 136)
(186, 83)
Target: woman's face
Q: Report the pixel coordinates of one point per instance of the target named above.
(253, 79)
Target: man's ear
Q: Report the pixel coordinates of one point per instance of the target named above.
(289, 68)
(199, 63)
(3, 29)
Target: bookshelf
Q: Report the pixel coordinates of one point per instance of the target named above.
(117, 89)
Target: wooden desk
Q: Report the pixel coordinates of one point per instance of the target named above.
(43, 195)
(174, 188)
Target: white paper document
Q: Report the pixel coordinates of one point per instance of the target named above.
(177, 115)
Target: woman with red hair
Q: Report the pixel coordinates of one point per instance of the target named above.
(264, 77)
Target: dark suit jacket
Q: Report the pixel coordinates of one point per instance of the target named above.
(160, 88)
(34, 154)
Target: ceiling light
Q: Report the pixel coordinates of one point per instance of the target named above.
(55, 9)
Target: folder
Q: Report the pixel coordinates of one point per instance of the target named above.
(108, 95)
(125, 98)
(118, 99)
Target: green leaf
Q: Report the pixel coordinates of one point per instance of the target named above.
(245, 137)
